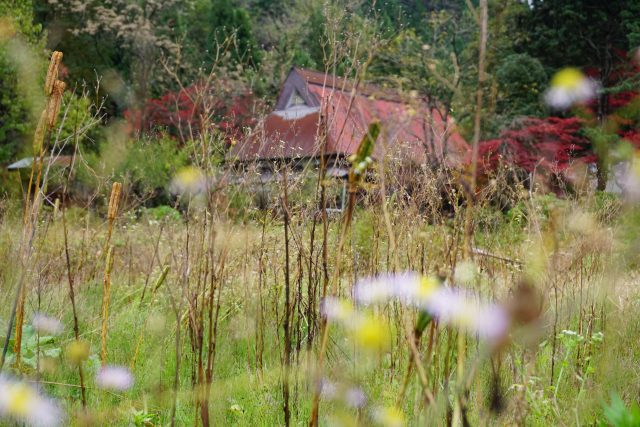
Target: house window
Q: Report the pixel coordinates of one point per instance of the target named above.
(296, 100)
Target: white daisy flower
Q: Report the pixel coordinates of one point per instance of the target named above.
(116, 378)
(46, 324)
(450, 306)
(23, 403)
(570, 86)
(336, 309)
(409, 287)
(188, 182)
(355, 397)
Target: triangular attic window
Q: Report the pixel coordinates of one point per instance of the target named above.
(296, 100)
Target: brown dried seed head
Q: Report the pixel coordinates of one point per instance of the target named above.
(53, 107)
(38, 137)
(52, 72)
(114, 200)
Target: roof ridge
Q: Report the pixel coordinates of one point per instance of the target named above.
(346, 84)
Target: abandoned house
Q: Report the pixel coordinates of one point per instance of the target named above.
(312, 104)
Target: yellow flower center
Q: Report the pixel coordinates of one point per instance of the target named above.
(427, 286)
(78, 351)
(391, 417)
(20, 400)
(635, 166)
(189, 176)
(372, 334)
(568, 78)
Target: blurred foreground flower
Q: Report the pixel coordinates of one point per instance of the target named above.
(631, 179)
(22, 403)
(408, 287)
(569, 86)
(370, 332)
(116, 378)
(77, 352)
(455, 307)
(351, 396)
(389, 417)
(367, 330)
(337, 309)
(47, 325)
(188, 182)
(355, 397)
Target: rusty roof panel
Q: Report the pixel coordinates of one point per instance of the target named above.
(404, 127)
(278, 137)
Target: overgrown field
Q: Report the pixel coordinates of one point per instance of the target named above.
(151, 276)
(221, 312)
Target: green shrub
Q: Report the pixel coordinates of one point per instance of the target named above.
(79, 124)
(20, 70)
(607, 206)
(151, 164)
(161, 213)
(540, 205)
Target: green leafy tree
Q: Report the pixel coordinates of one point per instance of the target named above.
(521, 80)
(17, 99)
(123, 41)
(220, 25)
(435, 61)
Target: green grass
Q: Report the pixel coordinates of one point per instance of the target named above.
(245, 395)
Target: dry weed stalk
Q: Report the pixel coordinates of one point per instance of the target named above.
(106, 297)
(54, 90)
(112, 210)
(287, 304)
(72, 297)
(114, 202)
(52, 72)
(459, 415)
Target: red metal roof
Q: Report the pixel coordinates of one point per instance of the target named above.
(405, 125)
(278, 137)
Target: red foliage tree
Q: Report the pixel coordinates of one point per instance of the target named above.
(550, 145)
(184, 113)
